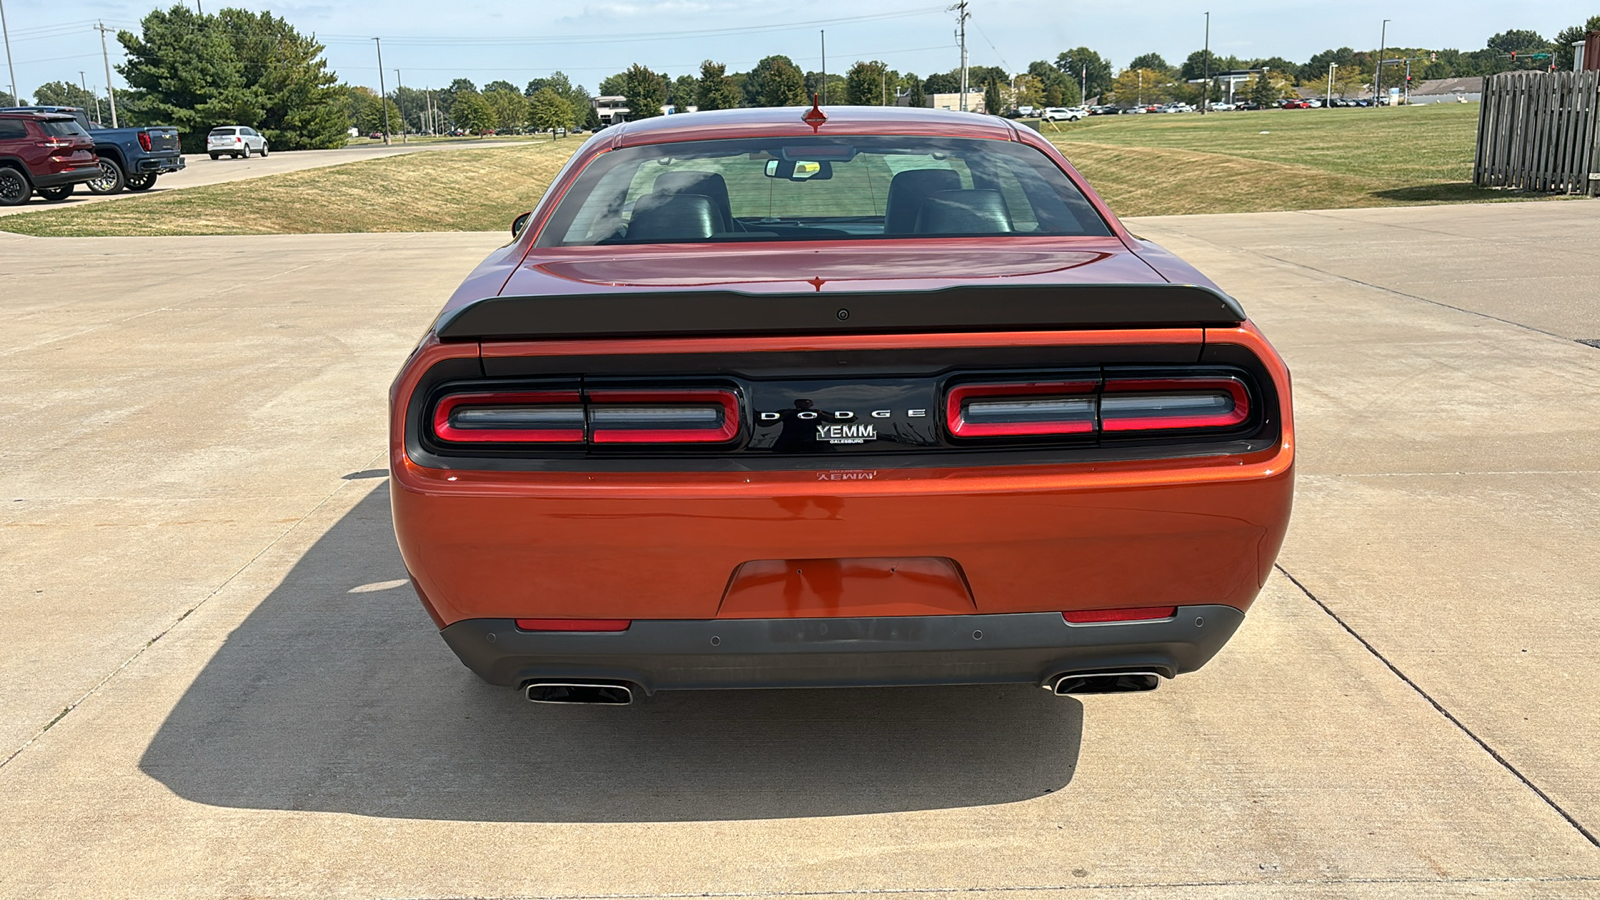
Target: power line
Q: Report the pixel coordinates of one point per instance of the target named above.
(615, 38)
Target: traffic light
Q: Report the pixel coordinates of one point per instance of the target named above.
(1513, 56)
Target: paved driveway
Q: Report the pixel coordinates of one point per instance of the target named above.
(218, 685)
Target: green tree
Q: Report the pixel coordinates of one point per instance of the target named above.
(868, 84)
(1075, 63)
(299, 106)
(644, 91)
(943, 83)
(682, 92)
(183, 71)
(715, 89)
(7, 100)
(1055, 88)
(236, 67)
(915, 96)
(62, 93)
(992, 103)
(1262, 90)
(1151, 61)
(613, 85)
(549, 110)
(499, 85)
(472, 112)
(447, 97)
(510, 107)
(1564, 56)
(777, 81)
(1134, 87)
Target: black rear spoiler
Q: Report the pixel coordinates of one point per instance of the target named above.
(965, 308)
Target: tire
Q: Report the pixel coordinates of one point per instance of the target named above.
(246, 151)
(142, 182)
(263, 150)
(55, 194)
(111, 178)
(14, 187)
(215, 155)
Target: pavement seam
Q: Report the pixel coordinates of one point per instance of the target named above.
(1504, 763)
(67, 710)
(1012, 889)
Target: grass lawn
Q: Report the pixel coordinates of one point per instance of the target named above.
(1142, 165)
(1279, 159)
(470, 189)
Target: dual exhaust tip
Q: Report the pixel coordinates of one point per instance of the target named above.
(608, 693)
(588, 693)
(1102, 683)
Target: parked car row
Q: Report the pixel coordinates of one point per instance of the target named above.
(130, 158)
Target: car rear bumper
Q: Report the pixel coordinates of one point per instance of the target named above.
(161, 165)
(1028, 648)
(70, 176)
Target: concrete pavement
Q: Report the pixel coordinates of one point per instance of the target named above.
(203, 170)
(218, 684)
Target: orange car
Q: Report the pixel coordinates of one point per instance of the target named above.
(844, 396)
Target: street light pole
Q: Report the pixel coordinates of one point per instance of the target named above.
(399, 91)
(1377, 75)
(1331, 67)
(383, 99)
(1205, 89)
(824, 65)
(111, 92)
(10, 66)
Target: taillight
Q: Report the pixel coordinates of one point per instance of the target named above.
(663, 417)
(1130, 614)
(1091, 406)
(55, 143)
(144, 140)
(533, 417)
(1007, 410)
(238, 140)
(1148, 404)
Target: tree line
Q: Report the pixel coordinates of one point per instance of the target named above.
(239, 67)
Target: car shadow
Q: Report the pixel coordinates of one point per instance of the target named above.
(337, 695)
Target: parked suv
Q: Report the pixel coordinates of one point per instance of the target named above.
(131, 157)
(43, 153)
(235, 141)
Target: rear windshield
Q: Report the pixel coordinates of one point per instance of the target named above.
(223, 132)
(818, 188)
(62, 128)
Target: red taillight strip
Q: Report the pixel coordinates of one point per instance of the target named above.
(1232, 386)
(573, 624)
(1131, 614)
(955, 405)
(448, 432)
(727, 430)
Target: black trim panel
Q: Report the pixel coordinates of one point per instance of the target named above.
(662, 654)
(965, 308)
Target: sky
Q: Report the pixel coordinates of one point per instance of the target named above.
(432, 42)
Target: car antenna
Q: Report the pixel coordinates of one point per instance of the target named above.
(815, 116)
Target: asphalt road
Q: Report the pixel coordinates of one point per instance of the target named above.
(216, 683)
(202, 170)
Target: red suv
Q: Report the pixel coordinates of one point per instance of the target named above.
(43, 152)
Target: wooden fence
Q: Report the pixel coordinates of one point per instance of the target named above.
(1540, 131)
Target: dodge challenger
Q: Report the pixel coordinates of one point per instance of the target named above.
(842, 396)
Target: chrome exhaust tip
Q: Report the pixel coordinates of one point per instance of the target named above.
(1103, 683)
(589, 693)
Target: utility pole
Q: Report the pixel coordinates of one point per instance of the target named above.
(383, 99)
(399, 91)
(960, 9)
(1331, 67)
(10, 66)
(111, 92)
(1205, 90)
(1083, 84)
(1377, 75)
(83, 82)
(824, 65)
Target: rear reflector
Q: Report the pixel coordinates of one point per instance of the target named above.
(1131, 614)
(573, 624)
(520, 417)
(1012, 410)
(1148, 404)
(663, 417)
